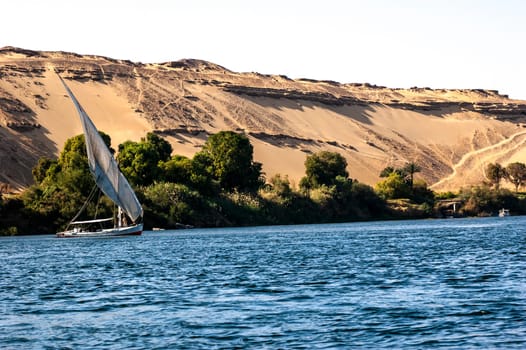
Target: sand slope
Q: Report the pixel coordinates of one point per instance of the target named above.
(451, 134)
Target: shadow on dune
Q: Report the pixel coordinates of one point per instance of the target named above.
(22, 141)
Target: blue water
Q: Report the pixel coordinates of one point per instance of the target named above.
(457, 283)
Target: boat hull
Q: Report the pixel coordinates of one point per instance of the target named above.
(134, 230)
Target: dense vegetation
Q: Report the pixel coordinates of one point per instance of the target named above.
(223, 186)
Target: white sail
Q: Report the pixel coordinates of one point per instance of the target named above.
(103, 166)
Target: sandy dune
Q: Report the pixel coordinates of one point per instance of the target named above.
(451, 134)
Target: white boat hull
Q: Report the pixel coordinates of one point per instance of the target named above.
(134, 230)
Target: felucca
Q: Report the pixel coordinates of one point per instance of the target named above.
(110, 181)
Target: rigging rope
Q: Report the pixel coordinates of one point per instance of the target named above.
(90, 197)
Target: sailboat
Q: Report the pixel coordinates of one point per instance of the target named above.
(504, 212)
(110, 181)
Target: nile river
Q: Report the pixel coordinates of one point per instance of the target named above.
(458, 283)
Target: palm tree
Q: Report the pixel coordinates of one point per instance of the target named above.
(410, 169)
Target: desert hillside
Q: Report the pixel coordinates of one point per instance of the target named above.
(451, 134)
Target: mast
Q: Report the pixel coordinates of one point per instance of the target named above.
(119, 217)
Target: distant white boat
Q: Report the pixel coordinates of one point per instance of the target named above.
(504, 212)
(110, 181)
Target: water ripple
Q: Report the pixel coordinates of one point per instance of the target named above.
(410, 284)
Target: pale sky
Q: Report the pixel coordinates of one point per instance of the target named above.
(394, 43)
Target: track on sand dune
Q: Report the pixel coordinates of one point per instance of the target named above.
(515, 141)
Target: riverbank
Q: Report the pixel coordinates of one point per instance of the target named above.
(181, 207)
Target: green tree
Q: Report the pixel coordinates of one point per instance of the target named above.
(421, 193)
(138, 162)
(280, 197)
(160, 145)
(62, 186)
(74, 154)
(201, 176)
(407, 172)
(323, 168)
(387, 171)
(495, 173)
(177, 170)
(169, 204)
(280, 185)
(71, 173)
(227, 158)
(516, 174)
(142, 162)
(393, 187)
(45, 168)
(485, 201)
(366, 201)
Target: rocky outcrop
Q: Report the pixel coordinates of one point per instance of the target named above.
(194, 65)
(511, 111)
(318, 97)
(182, 130)
(98, 68)
(16, 115)
(14, 70)
(12, 105)
(24, 52)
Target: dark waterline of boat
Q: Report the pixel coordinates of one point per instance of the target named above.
(406, 284)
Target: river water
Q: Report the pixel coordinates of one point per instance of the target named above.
(458, 283)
